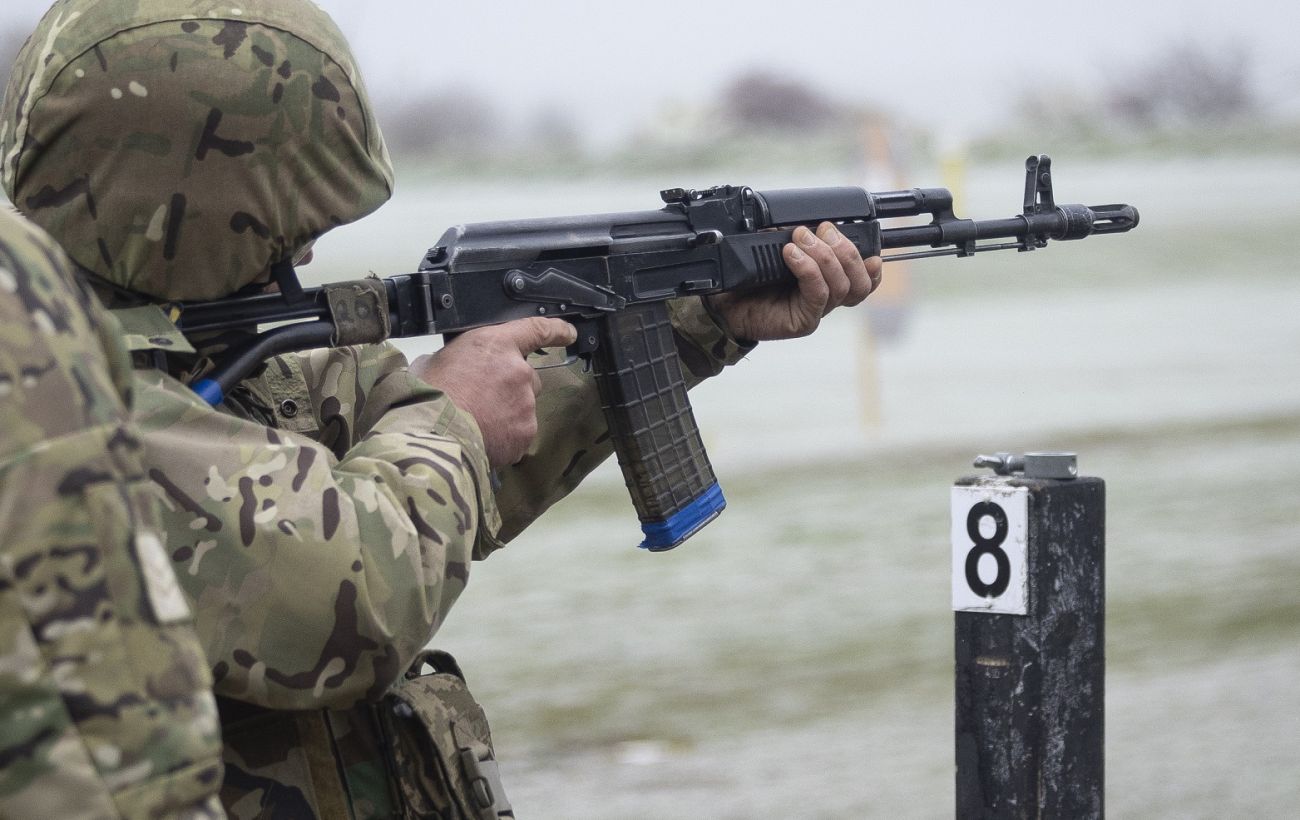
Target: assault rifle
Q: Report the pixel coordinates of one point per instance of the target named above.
(611, 275)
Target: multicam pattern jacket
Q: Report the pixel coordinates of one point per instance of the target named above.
(105, 701)
(317, 571)
(324, 524)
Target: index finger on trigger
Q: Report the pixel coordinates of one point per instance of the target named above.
(536, 332)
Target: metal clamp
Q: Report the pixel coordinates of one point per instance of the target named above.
(1032, 465)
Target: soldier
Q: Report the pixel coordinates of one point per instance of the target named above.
(106, 707)
(324, 521)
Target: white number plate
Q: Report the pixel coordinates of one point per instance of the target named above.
(990, 527)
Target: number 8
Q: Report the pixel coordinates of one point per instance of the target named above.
(987, 546)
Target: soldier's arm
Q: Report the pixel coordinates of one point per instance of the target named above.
(352, 388)
(315, 578)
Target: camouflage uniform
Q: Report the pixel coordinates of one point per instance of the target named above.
(324, 523)
(105, 700)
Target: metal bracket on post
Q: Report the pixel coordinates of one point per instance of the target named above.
(1032, 465)
(1029, 595)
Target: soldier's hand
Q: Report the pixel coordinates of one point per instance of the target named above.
(484, 373)
(829, 272)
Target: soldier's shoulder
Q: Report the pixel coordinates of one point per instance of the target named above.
(27, 246)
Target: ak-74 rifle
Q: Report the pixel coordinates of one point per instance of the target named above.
(611, 276)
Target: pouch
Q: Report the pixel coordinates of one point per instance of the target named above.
(439, 745)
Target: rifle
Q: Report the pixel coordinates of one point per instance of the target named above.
(611, 276)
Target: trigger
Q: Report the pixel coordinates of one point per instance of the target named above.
(585, 346)
(547, 359)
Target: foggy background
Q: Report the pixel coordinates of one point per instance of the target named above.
(567, 81)
(794, 659)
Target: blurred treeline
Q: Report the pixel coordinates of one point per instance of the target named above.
(1184, 98)
(1180, 98)
(1177, 99)
(755, 118)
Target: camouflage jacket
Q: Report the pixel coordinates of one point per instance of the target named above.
(105, 701)
(324, 524)
(317, 572)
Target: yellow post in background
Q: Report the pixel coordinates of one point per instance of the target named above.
(952, 169)
(884, 318)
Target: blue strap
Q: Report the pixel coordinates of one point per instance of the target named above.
(209, 391)
(666, 534)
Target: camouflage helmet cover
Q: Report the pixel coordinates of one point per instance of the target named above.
(179, 148)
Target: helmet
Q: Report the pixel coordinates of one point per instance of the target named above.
(180, 150)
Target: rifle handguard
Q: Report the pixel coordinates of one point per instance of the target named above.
(655, 436)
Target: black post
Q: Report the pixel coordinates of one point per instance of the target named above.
(1029, 595)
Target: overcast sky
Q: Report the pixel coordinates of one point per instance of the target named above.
(952, 65)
